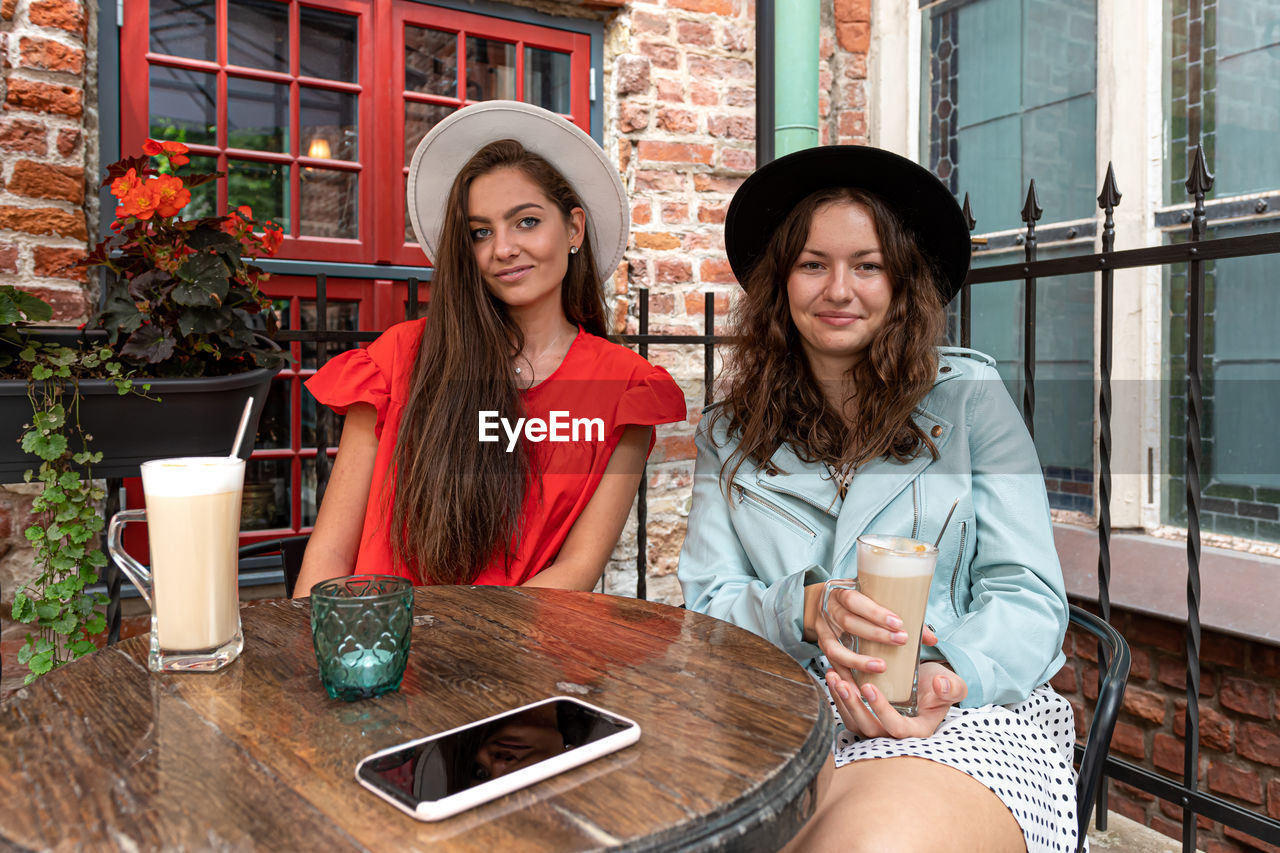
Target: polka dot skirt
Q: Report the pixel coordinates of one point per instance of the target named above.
(1022, 752)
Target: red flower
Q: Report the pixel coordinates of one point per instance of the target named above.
(151, 148)
(271, 238)
(171, 194)
(121, 187)
(141, 201)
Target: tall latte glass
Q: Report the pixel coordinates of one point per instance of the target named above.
(193, 526)
(894, 572)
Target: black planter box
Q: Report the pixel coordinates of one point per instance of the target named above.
(193, 417)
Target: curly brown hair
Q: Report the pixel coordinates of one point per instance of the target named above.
(455, 503)
(772, 396)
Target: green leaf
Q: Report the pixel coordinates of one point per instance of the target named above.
(148, 344)
(34, 533)
(65, 624)
(25, 652)
(47, 447)
(80, 648)
(40, 373)
(46, 611)
(51, 419)
(23, 609)
(70, 480)
(41, 663)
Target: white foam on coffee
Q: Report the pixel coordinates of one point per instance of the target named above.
(192, 475)
(895, 556)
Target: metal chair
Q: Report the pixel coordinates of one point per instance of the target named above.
(1113, 664)
(287, 549)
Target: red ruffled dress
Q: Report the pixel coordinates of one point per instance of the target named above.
(600, 385)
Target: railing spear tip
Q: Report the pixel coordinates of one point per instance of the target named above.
(1110, 195)
(968, 213)
(1199, 178)
(1031, 211)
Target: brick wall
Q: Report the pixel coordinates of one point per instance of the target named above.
(43, 191)
(44, 60)
(1239, 733)
(680, 118)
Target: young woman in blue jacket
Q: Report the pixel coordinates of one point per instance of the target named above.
(840, 415)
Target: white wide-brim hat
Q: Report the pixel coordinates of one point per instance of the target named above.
(450, 144)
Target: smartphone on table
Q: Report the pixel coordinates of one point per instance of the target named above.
(436, 777)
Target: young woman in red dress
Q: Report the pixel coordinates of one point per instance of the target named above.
(501, 439)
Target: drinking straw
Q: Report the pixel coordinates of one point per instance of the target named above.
(946, 521)
(244, 423)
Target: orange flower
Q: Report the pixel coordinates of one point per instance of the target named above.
(271, 238)
(122, 186)
(171, 194)
(151, 148)
(141, 201)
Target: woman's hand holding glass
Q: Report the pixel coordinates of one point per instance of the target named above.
(849, 613)
(939, 689)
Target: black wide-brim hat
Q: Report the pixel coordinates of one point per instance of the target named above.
(923, 203)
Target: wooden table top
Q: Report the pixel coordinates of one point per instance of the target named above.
(102, 754)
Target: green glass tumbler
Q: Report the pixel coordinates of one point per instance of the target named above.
(360, 626)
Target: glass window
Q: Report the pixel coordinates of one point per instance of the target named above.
(1064, 367)
(491, 70)
(184, 105)
(1222, 84)
(184, 28)
(328, 45)
(430, 62)
(546, 79)
(258, 34)
(1240, 468)
(987, 131)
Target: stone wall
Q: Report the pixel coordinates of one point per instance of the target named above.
(1239, 734)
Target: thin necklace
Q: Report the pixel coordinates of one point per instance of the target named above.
(551, 346)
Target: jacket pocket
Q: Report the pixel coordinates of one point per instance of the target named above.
(774, 511)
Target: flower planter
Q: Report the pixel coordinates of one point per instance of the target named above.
(194, 416)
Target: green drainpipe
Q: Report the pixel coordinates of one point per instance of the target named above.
(795, 75)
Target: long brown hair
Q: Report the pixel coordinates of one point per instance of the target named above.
(455, 502)
(772, 397)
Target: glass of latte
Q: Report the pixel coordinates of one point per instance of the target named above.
(193, 528)
(894, 572)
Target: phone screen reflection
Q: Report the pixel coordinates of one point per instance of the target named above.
(446, 765)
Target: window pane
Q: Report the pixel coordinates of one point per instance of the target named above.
(266, 494)
(183, 105)
(258, 34)
(430, 62)
(491, 70)
(1064, 368)
(328, 124)
(184, 28)
(1240, 469)
(204, 198)
(328, 45)
(329, 204)
(1222, 87)
(262, 186)
(1247, 119)
(273, 426)
(341, 316)
(546, 79)
(418, 120)
(1008, 88)
(257, 115)
(309, 480)
(1057, 151)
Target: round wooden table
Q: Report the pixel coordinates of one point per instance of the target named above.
(102, 754)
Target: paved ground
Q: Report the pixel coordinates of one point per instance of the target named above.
(1127, 836)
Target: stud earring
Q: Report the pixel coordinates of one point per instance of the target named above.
(573, 250)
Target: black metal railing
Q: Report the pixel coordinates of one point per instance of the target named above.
(1195, 252)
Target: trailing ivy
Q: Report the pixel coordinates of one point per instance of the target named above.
(66, 534)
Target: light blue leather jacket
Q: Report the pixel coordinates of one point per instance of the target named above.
(997, 602)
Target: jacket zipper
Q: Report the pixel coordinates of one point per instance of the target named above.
(915, 508)
(955, 574)
(744, 495)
